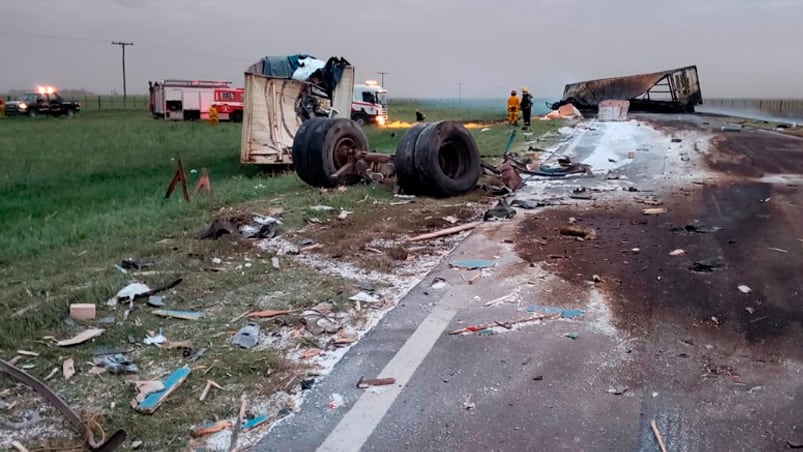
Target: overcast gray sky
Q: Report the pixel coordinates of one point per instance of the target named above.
(743, 48)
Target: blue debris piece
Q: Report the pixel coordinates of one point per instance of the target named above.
(550, 310)
(571, 335)
(154, 399)
(486, 332)
(473, 264)
(253, 423)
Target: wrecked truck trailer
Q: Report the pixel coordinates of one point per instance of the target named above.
(670, 91)
(303, 120)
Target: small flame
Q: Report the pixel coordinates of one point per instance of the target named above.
(407, 125)
(397, 125)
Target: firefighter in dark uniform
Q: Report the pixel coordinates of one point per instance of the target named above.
(526, 105)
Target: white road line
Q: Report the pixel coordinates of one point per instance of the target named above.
(357, 425)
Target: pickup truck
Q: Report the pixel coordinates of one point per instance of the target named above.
(34, 104)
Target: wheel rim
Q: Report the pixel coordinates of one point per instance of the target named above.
(452, 157)
(344, 150)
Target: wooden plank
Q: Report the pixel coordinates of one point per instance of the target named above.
(155, 399)
(185, 315)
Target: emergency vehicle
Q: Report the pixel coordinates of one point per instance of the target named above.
(370, 104)
(186, 100)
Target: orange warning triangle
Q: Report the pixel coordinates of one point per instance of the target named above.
(203, 182)
(179, 177)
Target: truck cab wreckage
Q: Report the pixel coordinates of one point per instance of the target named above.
(297, 111)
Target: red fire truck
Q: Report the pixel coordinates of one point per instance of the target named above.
(187, 100)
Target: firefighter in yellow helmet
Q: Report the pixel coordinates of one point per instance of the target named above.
(526, 106)
(513, 109)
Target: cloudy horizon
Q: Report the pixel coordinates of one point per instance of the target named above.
(743, 48)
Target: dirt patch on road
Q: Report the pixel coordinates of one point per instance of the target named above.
(756, 154)
(374, 239)
(631, 257)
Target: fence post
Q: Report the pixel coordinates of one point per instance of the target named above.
(99, 107)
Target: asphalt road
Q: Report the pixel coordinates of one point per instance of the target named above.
(715, 368)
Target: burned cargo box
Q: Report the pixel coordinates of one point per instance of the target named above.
(671, 91)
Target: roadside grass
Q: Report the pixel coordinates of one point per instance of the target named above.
(79, 195)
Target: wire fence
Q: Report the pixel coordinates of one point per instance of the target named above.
(107, 102)
(782, 108)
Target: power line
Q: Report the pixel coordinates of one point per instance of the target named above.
(48, 36)
(123, 45)
(383, 74)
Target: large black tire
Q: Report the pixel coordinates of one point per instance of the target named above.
(404, 162)
(321, 147)
(447, 159)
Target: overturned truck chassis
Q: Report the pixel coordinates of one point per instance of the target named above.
(671, 91)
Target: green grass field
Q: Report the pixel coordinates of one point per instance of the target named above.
(79, 195)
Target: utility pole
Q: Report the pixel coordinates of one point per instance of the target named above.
(123, 46)
(459, 91)
(382, 75)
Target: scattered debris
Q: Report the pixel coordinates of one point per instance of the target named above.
(677, 252)
(185, 315)
(438, 283)
(571, 335)
(153, 399)
(579, 231)
(240, 418)
(618, 390)
(529, 204)
(560, 312)
(310, 353)
(132, 291)
(52, 373)
(208, 429)
(336, 401)
(81, 337)
(321, 208)
(653, 211)
(750, 310)
(155, 340)
(209, 385)
(502, 211)
(217, 229)
(778, 250)
(307, 384)
(275, 262)
(508, 325)
(794, 444)
(116, 364)
(499, 300)
(445, 232)
(596, 278)
(472, 264)
(68, 369)
(254, 423)
(510, 177)
(27, 353)
(114, 441)
(744, 289)
(451, 219)
(365, 297)
(473, 280)
(82, 311)
(363, 383)
(247, 337)
(17, 445)
(731, 128)
(706, 265)
(693, 228)
(156, 301)
(658, 435)
(268, 314)
(305, 242)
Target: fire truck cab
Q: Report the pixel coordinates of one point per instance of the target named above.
(370, 104)
(187, 100)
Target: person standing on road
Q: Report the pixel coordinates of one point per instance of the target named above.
(526, 106)
(513, 109)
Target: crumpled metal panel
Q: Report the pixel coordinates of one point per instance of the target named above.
(684, 83)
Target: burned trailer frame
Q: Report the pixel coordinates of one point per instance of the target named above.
(670, 91)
